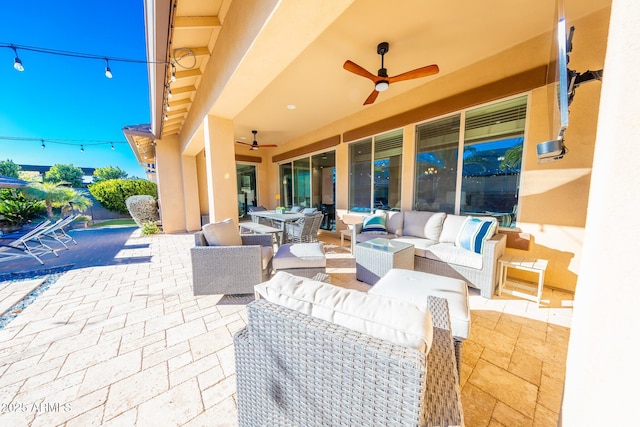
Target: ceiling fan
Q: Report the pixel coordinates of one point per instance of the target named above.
(382, 80)
(255, 145)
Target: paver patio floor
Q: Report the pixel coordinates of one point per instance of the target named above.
(128, 344)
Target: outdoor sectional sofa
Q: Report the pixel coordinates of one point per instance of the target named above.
(440, 246)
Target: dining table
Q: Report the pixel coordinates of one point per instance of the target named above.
(278, 220)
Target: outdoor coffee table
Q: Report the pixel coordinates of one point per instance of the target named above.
(374, 258)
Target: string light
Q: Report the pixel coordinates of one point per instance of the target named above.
(169, 94)
(107, 70)
(17, 63)
(72, 142)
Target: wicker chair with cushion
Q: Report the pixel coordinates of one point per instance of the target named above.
(227, 262)
(299, 363)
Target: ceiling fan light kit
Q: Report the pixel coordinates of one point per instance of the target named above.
(382, 80)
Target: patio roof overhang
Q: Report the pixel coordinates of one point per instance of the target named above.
(254, 84)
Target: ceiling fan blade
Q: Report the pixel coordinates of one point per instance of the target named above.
(414, 74)
(243, 143)
(371, 97)
(267, 145)
(356, 69)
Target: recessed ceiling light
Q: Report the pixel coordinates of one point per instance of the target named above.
(291, 107)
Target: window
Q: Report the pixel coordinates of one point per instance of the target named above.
(376, 172)
(484, 179)
(310, 182)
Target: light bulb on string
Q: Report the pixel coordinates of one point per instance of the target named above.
(17, 62)
(43, 147)
(112, 147)
(107, 70)
(173, 72)
(82, 148)
(169, 94)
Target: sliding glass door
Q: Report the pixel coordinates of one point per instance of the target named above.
(310, 182)
(247, 193)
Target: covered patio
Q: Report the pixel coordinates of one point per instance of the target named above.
(277, 67)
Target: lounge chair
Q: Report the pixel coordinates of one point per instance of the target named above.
(23, 247)
(56, 232)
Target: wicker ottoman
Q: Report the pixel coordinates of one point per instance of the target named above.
(301, 259)
(416, 286)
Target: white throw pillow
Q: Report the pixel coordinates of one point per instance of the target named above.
(451, 227)
(223, 233)
(399, 322)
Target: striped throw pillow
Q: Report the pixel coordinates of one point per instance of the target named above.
(474, 232)
(374, 224)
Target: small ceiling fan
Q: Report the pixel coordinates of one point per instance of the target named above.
(255, 145)
(382, 80)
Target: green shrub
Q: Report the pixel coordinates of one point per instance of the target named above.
(143, 209)
(149, 228)
(113, 193)
(17, 209)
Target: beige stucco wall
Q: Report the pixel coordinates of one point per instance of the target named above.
(554, 196)
(170, 190)
(602, 362)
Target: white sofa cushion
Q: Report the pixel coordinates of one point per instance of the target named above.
(451, 254)
(420, 244)
(451, 227)
(399, 322)
(223, 233)
(395, 221)
(300, 255)
(433, 227)
(415, 223)
(416, 286)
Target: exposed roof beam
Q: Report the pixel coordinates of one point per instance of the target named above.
(197, 21)
(183, 89)
(188, 73)
(180, 111)
(177, 102)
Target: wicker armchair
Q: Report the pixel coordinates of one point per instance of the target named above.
(296, 370)
(230, 269)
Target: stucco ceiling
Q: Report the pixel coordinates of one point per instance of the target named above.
(420, 32)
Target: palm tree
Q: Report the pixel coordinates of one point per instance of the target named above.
(57, 195)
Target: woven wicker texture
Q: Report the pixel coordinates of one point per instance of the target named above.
(372, 264)
(229, 269)
(486, 279)
(295, 370)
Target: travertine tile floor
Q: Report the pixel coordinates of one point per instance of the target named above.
(129, 345)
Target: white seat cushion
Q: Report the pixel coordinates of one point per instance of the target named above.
(389, 319)
(300, 255)
(267, 254)
(451, 228)
(420, 244)
(416, 286)
(451, 254)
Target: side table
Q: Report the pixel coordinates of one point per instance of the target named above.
(534, 265)
(374, 258)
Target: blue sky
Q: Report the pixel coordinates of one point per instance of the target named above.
(66, 98)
